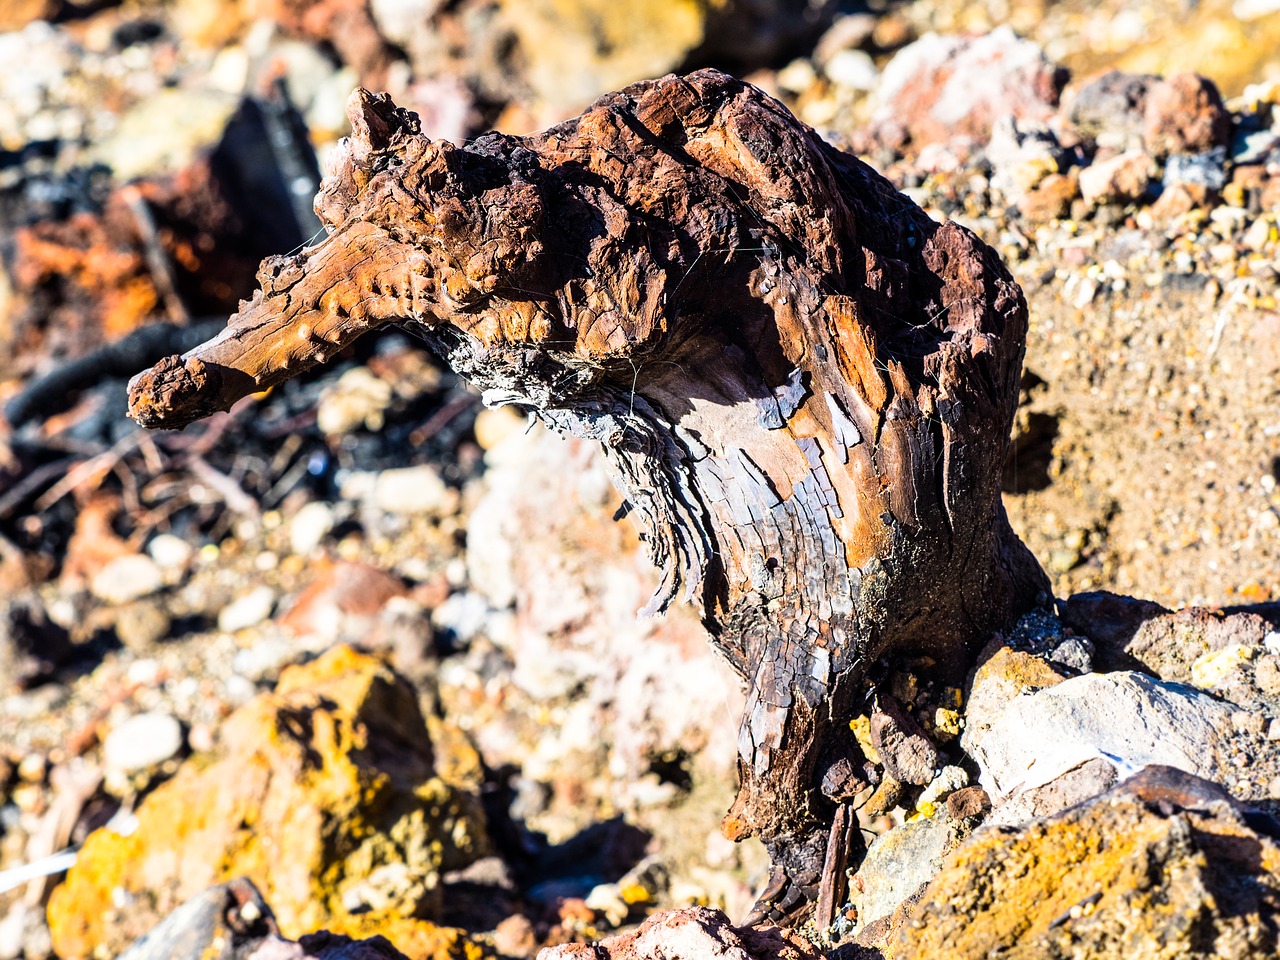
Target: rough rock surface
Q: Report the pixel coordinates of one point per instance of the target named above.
(322, 793)
(1164, 865)
(1184, 114)
(901, 862)
(694, 933)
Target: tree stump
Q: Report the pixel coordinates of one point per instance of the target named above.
(803, 385)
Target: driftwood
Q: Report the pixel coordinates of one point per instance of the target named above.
(803, 385)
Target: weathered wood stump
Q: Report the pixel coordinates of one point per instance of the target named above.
(803, 384)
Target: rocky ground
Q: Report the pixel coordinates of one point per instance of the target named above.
(339, 642)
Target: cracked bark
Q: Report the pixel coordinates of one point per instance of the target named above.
(803, 385)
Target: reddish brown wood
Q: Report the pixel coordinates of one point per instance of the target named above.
(803, 384)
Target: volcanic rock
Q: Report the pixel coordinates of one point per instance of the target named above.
(322, 792)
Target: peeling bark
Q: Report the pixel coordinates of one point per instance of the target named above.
(803, 384)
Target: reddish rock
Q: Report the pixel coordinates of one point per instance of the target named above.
(694, 933)
(907, 753)
(1179, 199)
(343, 602)
(941, 87)
(1184, 114)
(1050, 199)
(968, 802)
(1118, 180)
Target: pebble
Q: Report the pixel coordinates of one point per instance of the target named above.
(413, 490)
(127, 579)
(948, 780)
(247, 610)
(908, 754)
(142, 742)
(495, 424)
(853, 69)
(170, 552)
(463, 615)
(141, 624)
(1212, 668)
(310, 526)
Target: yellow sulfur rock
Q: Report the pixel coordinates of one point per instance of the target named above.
(323, 793)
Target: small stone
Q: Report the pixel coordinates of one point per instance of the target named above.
(797, 76)
(1074, 653)
(906, 751)
(1184, 114)
(1273, 729)
(968, 802)
(142, 742)
(900, 862)
(126, 579)
(494, 425)
(515, 937)
(1118, 180)
(948, 781)
(310, 526)
(884, 798)
(1207, 170)
(1109, 110)
(1267, 675)
(414, 490)
(358, 399)
(1051, 198)
(462, 615)
(33, 768)
(852, 69)
(1214, 667)
(170, 552)
(141, 624)
(247, 610)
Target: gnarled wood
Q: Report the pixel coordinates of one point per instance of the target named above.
(802, 383)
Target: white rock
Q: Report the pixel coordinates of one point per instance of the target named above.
(1128, 719)
(127, 578)
(170, 552)
(400, 20)
(310, 526)
(797, 76)
(143, 741)
(463, 614)
(247, 610)
(413, 490)
(853, 69)
(948, 780)
(358, 399)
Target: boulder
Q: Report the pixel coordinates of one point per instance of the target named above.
(941, 87)
(1126, 720)
(323, 793)
(1164, 865)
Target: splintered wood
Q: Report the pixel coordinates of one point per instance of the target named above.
(803, 385)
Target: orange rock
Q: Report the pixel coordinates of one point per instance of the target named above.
(323, 793)
(342, 602)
